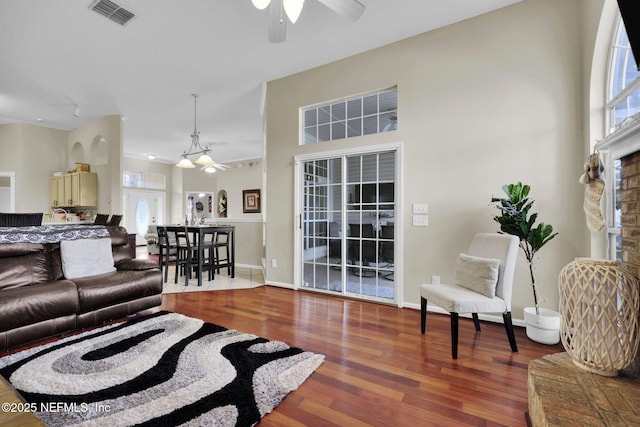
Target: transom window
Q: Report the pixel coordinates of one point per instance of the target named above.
(346, 118)
(150, 180)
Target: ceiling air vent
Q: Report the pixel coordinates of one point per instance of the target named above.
(112, 11)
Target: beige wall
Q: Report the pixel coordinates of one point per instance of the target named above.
(243, 175)
(482, 103)
(33, 153)
(36, 152)
(101, 146)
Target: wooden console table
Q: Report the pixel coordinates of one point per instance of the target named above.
(562, 394)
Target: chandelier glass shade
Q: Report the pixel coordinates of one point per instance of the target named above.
(185, 163)
(195, 148)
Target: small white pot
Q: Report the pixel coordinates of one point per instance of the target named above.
(544, 327)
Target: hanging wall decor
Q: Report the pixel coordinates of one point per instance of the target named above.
(222, 204)
(251, 201)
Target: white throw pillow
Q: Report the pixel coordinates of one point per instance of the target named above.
(86, 257)
(478, 274)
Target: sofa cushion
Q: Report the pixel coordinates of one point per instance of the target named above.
(119, 243)
(86, 257)
(32, 304)
(23, 264)
(477, 274)
(55, 262)
(117, 287)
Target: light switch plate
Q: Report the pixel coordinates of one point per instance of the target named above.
(420, 208)
(420, 220)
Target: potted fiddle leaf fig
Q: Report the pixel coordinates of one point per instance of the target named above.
(516, 218)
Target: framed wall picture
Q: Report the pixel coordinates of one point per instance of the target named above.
(251, 201)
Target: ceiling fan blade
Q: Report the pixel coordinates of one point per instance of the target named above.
(352, 9)
(277, 22)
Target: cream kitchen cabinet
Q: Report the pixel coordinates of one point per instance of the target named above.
(57, 191)
(77, 189)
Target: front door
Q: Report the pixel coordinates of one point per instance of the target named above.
(141, 209)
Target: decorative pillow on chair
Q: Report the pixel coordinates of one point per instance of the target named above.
(86, 257)
(478, 274)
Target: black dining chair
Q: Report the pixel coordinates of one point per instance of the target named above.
(168, 251)
(101, 219)
(220, 241)
(115, 220)
(187, 253)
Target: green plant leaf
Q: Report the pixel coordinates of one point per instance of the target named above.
(515, 219)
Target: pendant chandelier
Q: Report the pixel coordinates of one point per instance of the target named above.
(195, 147)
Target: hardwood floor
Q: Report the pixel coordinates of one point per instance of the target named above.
(379, 370)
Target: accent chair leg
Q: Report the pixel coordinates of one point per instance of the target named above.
(423, 315)
(476, 321)
(454, 335)
(508, 325)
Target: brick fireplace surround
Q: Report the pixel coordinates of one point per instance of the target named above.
(561, 394)
(630, 221)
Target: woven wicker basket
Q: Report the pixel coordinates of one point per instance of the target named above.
(599, 304)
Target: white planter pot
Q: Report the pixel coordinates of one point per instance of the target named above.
(543, 328)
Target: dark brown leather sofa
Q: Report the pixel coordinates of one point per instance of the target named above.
(36, 301)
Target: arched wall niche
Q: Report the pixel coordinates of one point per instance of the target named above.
(77, 154)
(99, 151)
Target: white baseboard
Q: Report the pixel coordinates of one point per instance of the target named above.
(252, 267)
(279, 284)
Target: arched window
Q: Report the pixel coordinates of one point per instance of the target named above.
(623, 102)
(623, 88)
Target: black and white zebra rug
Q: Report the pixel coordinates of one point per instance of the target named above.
(164, 369)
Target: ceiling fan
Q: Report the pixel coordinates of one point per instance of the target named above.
(212, 168)
(279, 10)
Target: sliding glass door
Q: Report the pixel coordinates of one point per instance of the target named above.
(348, 217)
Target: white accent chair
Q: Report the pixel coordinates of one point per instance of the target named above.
(487, 249)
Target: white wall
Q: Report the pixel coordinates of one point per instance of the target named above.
(482, 103)
(143, 165)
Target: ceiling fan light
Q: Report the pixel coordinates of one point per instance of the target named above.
(185, 163)
(293, 9)
(210, 169)
(260, 4)
(205, 159)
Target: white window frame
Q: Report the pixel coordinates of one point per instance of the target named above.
(388, 117)
(299, 160)
(612, 164)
